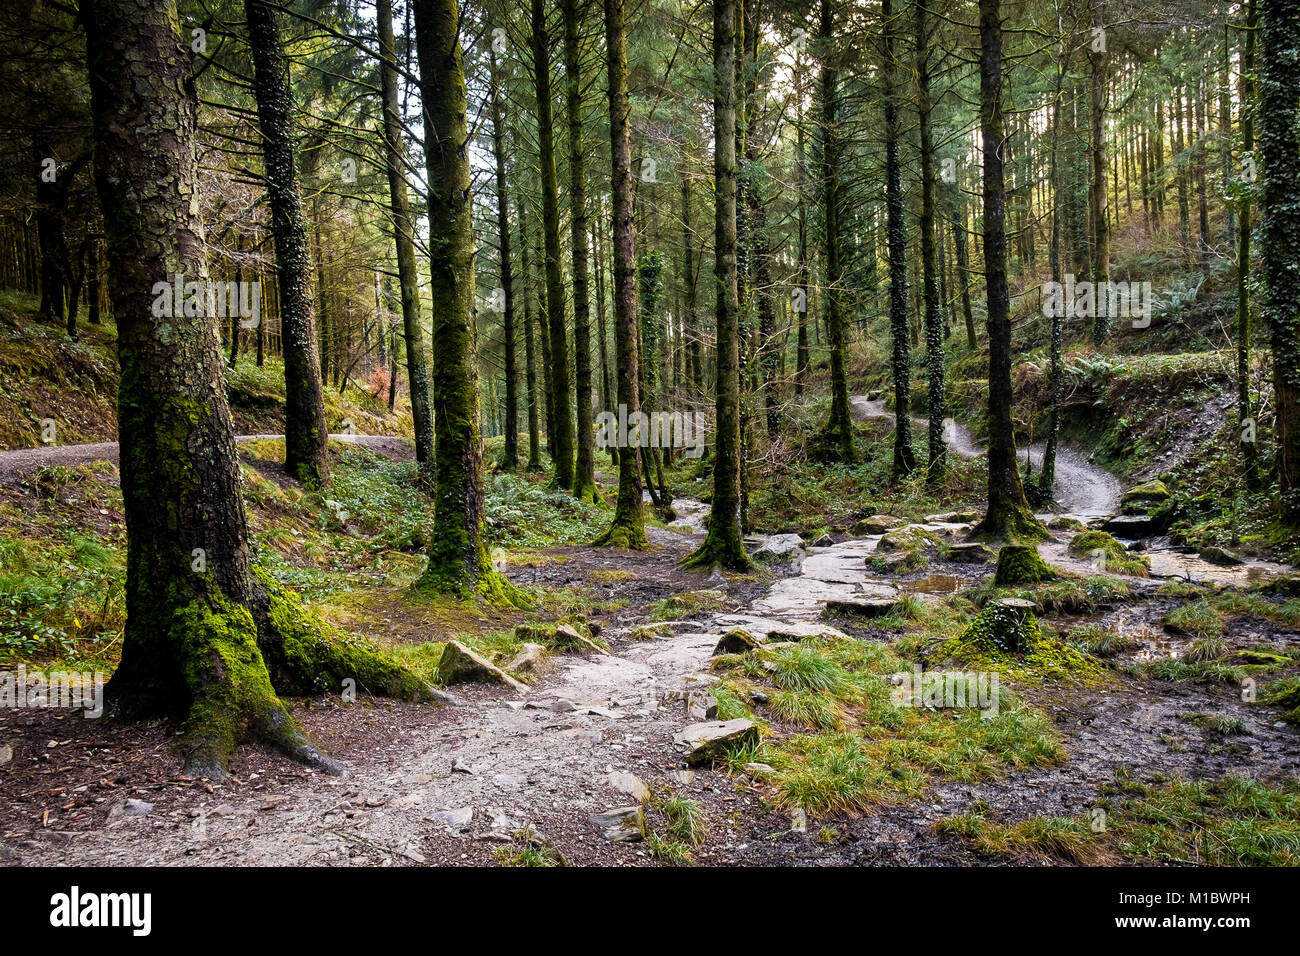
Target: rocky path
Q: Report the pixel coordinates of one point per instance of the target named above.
(1083, 490)
(21, 460)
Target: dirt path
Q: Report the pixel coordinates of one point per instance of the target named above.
(20, 460)
(1083, 490)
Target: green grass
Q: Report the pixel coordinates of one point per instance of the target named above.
(687, 604)
(1199, 619)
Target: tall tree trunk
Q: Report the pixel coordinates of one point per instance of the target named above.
(306, 435)
(417, 369)
(561, 412)
(205, 634)
(1008, 512)
(1245, 415)
(723, 544)
(933, 318)
(1279, 95)
(904, 460)
(510, 455)
(584, 476)
(530, 361)
(1100, 222)
(838, 436)
(627, 529)
(458, 559)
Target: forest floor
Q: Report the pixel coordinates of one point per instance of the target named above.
(519, 777)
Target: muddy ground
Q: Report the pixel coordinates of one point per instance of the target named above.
(455, 784)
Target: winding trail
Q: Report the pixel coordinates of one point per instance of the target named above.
(20, 460)
(1083, 490)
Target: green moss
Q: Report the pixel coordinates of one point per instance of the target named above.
(1010, 639)
(1020, 564)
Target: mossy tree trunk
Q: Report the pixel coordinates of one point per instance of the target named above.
(510, 455)
(627, 530)
(584, 472)
(561, 409)
(306, 435)
(1245, 417)
(839, 429)
(934, 328)
(206, 637)
(530, 358)
(1008, 512)
(724, 544)
(1279, 92)
(458, 560)
(417, 369)
(1097, 196)
(904, 460)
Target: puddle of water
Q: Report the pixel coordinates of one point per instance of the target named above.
(934, 584)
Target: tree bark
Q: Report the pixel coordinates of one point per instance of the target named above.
(904, 460)
(723, 543)
(306, 434)
(417, 369)
(627, 529)
(1279, 95)
(207, 637)
(510, 454)
(1008, 514)
(561, 411)
(458, 560)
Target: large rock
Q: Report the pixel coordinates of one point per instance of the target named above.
(1149, 493)
(971, 552)
(460, 665)
(1133, 527)
(877, 524)
(710, 741)
(782, 545)
(567, 640)
(621, 825)
(861, 607)
(802, 630)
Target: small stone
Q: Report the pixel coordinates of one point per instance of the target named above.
(758, 769)
(137, 808)
(454, 819)
(6, 754)
(461, 765)
(798, 821)
(415, 779)
(630, 784)
(529, 660)
(621, 825)
(563, 706)
(700, 706)
(736, 641)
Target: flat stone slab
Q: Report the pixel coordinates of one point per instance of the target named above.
(862, 607)
(709, 741)
(460, 665)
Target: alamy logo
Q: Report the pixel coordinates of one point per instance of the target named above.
(56, 689)
(651, 430)
(212, 299)
(73, 909)
(1117, 300)
(974, 690)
